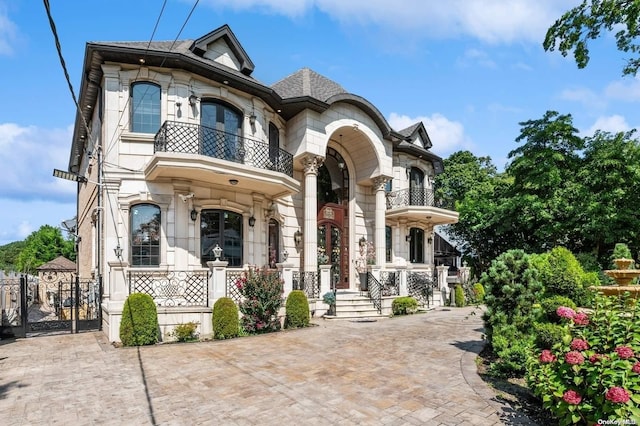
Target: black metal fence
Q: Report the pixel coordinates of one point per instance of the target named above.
(195, 139)
(421, 285)
(375, 291)
(31, 306)
(307, 282)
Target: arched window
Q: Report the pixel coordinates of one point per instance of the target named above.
(416, 245)
(416, 188)
(274, 243)
(145, 235)
(145, 107)
(222, 124)
(224, 228)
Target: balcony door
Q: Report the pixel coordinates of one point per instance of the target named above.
(416, 187)
(221, 126)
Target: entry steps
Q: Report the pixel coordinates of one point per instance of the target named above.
(354, 305)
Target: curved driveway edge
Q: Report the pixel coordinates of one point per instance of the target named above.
(411, 370)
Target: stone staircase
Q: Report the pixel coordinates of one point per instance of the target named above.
(354, 305)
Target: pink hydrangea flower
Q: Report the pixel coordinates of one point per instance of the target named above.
(572, 397)
(596, 358)
(546, 356)
(579, 345)
(617, 395)
(564, 312)
(624, 352)
(636, 368)
(574, 358)
(581, 318)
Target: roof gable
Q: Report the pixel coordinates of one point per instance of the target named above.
(60, 263)
(417, 135)
(306, 82)
(222, 46)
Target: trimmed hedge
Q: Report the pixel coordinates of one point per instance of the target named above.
(404, 305)
(139, 325)
(297, 310)
(225, 322)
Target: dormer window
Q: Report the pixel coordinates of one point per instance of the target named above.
(145, 107)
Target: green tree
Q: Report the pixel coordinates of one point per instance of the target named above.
(607, 208)
(588, 21)
(41, 246)
(542, 198)
(474, 186)
(9, 255)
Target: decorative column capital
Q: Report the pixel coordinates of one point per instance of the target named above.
(379, 182)
(312, 163)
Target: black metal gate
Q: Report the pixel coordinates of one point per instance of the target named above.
(30, 306)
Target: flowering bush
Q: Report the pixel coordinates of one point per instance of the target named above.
(594, 374)
(261, 300)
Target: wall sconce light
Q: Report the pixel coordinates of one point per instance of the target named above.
(233, 181)
(297, 238)
(118, 251)
(252, 221)
(193, 214)
(362, 241)
(193, 100)
(285, 255)
(217, 252)
(429, 240)
(252, 119)
(408, 238)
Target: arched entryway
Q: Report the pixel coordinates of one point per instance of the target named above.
(333, 217)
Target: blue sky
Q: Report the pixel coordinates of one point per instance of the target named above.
(471, 70)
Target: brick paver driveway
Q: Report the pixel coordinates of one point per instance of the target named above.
(414, 370)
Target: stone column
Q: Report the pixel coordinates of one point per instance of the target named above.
(310, 237)
(286, 272)
(443, 272)
(325, 279)
(381, 207)
(402, 284)
(218, 280)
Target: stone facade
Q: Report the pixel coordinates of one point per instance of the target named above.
(240, 164)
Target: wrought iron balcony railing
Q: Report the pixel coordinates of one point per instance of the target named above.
(195, 139)
(423, 197)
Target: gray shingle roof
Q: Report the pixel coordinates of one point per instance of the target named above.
(306, 82)
(60, 263)
(409, 130)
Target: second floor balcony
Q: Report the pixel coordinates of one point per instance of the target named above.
(201, 153)
(420, 203)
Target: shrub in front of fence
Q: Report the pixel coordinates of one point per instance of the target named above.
(262, 291)
(139, 325)
(186, 332)
(404, 305)
(297, 310)
(459, 296)
(225, 322)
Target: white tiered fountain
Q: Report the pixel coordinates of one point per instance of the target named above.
(623, 277)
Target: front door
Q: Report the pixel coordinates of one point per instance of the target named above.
(332, 244)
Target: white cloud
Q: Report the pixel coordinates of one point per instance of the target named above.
(476, 56)
(491, 21)
(20, 218)
(612, 123)
(447, 136)
(28, 156)
(624, 90)
(585, 96)
(8, 32)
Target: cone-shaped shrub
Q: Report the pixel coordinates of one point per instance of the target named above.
(459, 296)
(297, 310)
(225, 319)
(139, 325)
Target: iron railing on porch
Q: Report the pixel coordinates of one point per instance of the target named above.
(375, 291)
(422, 197)
(190, 138)
(172, 288)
